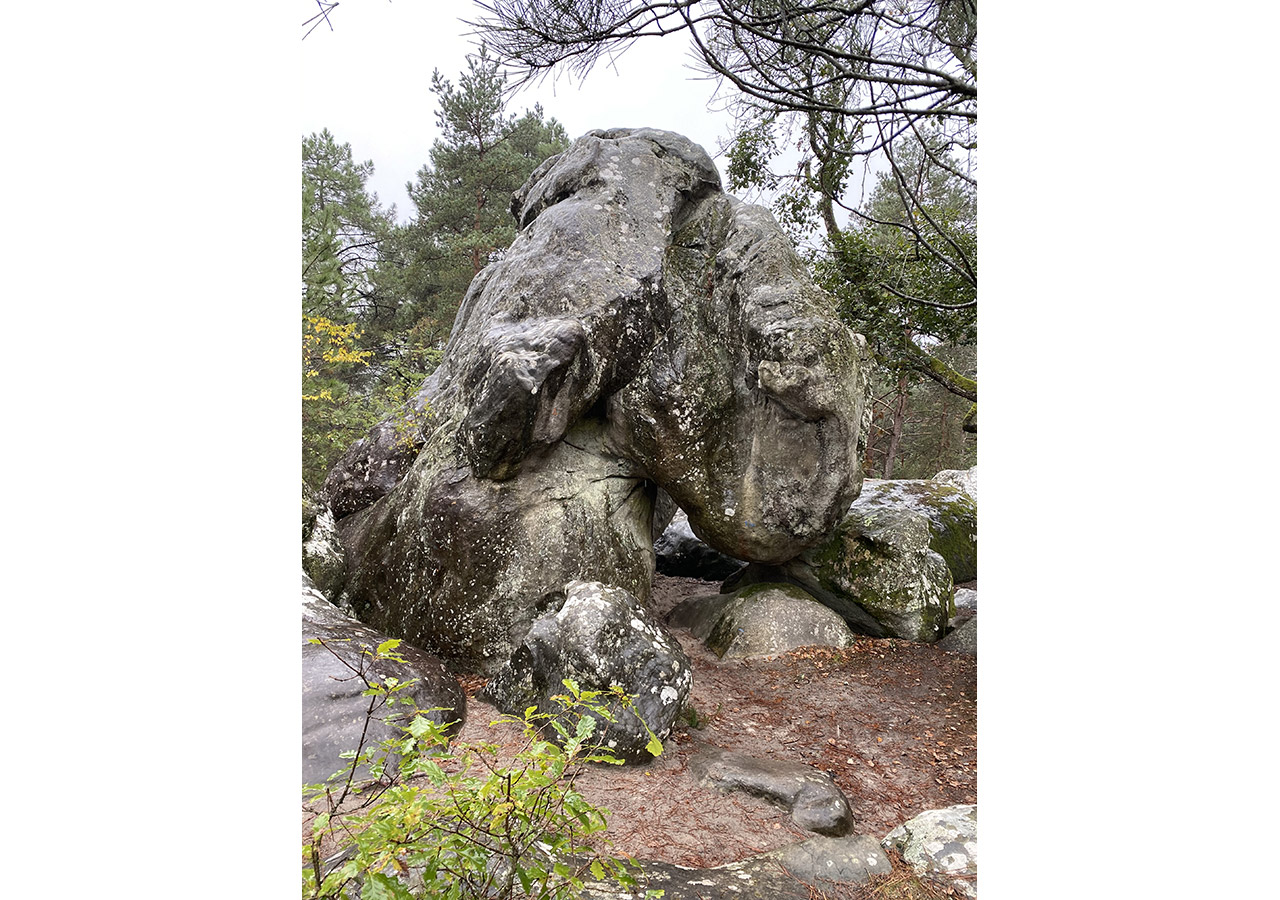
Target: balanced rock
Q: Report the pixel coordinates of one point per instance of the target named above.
(334, 710)
(952, 515)
(600, 636)
(643, 331)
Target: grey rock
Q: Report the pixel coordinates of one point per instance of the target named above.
(756, 878)
(966, 598)
(844, 860)
(942, 844)
(333, 709)
(965, 479)
(811, 796)
(599, 636)
(952, 515)
(964, 639)
(376, 463)
(786, 874)
(877, 571)
(323, 558)
(766, 619)
(698, 614)
(643, 331)
(680, 552)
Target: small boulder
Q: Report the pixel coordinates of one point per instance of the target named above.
(334, 711)
(766, 619)
(963, 639)
(599, 636)
(952, 515)
(943, 845)
(811, 796)
(682, 553)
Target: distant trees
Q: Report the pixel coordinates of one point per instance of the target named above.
(378, 298)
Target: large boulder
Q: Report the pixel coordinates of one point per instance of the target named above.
(942, 844)
(643, 331)
(600, 636)
(334, 710)
(877, 571)
(952, 515)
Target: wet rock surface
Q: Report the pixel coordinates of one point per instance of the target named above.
(333, 709)
(643, 331)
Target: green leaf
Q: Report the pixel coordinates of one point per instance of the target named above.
(654, 746)
(597, 870)
(387, 646)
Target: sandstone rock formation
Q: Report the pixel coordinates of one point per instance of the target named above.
(952, 515)
(761, 620)
(877, 571)
(644, 330)
(599, 637)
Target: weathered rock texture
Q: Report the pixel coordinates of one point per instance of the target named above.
(761, 620)
(965, 479)
(812, 798)
(943, 844)
(333, 710)
(877, 571)
(599, 637)
(643, 330)
(952, 515)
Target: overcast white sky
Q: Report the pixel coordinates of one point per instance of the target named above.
(368, 82)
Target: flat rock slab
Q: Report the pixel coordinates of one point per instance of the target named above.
(812, 798)
(784, 874)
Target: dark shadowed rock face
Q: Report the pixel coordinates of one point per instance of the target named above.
(599, 637)
(644, 330)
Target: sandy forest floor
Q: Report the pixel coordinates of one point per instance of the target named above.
(893, 722)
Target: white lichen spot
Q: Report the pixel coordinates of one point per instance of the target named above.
(668, 694)
(729, 511)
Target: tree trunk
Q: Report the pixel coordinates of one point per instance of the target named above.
(895, 434)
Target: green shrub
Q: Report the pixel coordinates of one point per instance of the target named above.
(454, 822)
